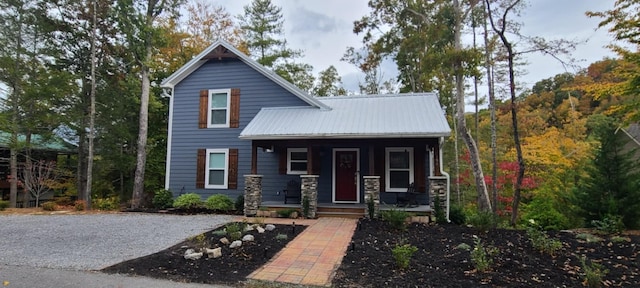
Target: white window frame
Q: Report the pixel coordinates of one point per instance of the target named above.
(228, 108)
(296, 172)
(388, 169)
(226, 169)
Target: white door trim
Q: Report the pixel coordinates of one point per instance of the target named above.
(333, 173)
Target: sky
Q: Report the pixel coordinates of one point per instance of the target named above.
(324, 30)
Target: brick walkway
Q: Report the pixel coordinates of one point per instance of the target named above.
(311, 258)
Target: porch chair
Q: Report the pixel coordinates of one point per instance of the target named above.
(409, 199)
(292, 191)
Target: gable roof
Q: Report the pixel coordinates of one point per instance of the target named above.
(369, 116)
(223, 49)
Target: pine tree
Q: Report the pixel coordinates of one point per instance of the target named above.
(612, 187)
(262, 24)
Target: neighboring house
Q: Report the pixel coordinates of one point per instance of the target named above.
(48, 149)
(236, 127)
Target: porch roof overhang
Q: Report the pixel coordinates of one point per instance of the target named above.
(353, 117)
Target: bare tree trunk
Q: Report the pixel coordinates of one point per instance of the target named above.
(492, 110)
(138, 185)
(92, 108)
(514, 109)
(15, 105)
(484, 204)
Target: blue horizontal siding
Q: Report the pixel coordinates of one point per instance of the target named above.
(256, 92)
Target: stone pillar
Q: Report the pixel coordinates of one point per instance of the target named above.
(309, 190)
(372, 193)
(252, 194)
(438, 187)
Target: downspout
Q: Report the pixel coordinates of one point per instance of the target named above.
(169, 136)
(447, 176)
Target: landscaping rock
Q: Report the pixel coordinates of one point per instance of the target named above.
(224, 241)
(248, 228)
(189, 251)
(214, 253)
(248, 238)
(260, 229)
(235, 244)
(193, 256)
(270, 227)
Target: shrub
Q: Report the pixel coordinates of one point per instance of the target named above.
(610, 224)
(402, 254)
(80, 205)
(234, 230)
(371, 206)
(541, 241)
(482, 221)
(396, 218)
(441, 215)
(593, 273)
(456, 215)
(219, 202)
(4, 205)
(542, 210)
(588, 237)
(49, 206)
(281, 236)
(286, 213)
(162, 199)
(239, 204)
(188, 201)
(111, 203)
(481, 256)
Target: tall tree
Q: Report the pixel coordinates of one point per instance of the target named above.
(329, 83)
(624, 23)
(262, 24)
(612, 187)
(138, 18)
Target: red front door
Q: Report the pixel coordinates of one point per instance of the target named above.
(346, 175)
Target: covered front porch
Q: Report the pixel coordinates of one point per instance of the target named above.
(339, 177)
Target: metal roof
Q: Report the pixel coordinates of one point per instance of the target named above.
(203, 57)
(38, 142)
(370, 116)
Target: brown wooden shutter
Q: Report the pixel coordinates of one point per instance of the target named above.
(379, 166)
(204, 109)
(282, 164)
(200, 169)
(419, 168)
(234, 116)
(232, 180)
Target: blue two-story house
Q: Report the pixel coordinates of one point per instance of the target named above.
(236, 127)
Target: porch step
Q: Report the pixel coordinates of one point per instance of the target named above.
(340, 215)
(345, 212)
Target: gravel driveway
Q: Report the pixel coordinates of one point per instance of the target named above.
(94, 241)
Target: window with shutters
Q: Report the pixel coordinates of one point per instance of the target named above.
(399, 168)
(219, 106)
(297, 161)
(217, 168)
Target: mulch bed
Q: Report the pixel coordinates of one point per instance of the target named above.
(438, 263)
(233, 267)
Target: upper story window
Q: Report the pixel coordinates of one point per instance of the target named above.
(219, 104)
(399, 168)
(297, 161)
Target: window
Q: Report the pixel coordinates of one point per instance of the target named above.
(219, 104)
(399, 169)
(216, 172)
(297, 161)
